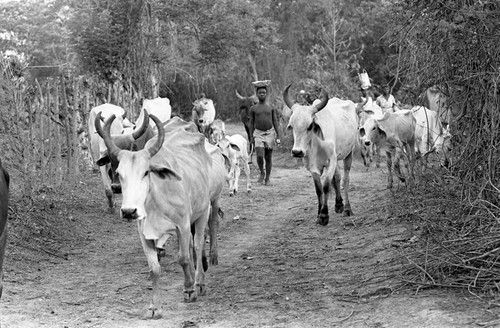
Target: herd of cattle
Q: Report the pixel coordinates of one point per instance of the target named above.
(172, 173)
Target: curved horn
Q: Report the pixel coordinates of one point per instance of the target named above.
(286, 97)
(161, 137)
(145, 123)
(324, 101)
(105, 134)
(239, 96)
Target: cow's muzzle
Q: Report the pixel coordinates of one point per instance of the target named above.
(368, 143)
(116, 188)
(129, 213)
(297, 153)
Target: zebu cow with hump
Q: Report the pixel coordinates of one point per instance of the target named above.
(218, 174)
(4, 208)
(394, 133)
(98, 148)
(203, 114)
(166, 189)
(324, 133)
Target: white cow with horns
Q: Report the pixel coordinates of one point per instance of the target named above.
(166, 189)
(324, 133)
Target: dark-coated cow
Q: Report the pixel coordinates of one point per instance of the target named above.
(324, 133)
(244, 105)
(4, 208)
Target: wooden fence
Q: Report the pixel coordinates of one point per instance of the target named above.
(44, 132)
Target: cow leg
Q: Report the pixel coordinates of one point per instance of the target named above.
(347, 170)
(107, 188)
(336, 182)
(247, 173)
(184, 237)
(149, 247)
(376, 154)
(3, 243)
(237, 172)
(322, 191)
(199, 245)
(389, 169)
(213, 227)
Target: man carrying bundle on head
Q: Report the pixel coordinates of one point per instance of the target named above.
(264, 131)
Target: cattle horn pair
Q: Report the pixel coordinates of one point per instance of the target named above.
(288, 101)
(239, 96)
(114, 150)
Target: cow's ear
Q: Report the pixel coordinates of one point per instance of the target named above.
(235, 147)
(362, 131)
(316, 129)
(227, 162)
(103, 160)
(382, 133)
(164, 172)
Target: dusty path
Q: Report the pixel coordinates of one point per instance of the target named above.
(278, 268)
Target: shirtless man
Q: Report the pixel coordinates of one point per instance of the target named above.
(264, 132)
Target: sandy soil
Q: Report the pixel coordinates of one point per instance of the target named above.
(277, 267)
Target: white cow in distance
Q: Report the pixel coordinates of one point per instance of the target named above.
(234, 148)
(203, 113)
(98, 148)
(324, 133)
(430, 136)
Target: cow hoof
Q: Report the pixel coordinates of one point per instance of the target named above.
(249, 190)
(323, 219)
(203, 289)
(231, 194)
(153, 313)
(347, 212)
(111, 210)
(339, 208)
(190, 296)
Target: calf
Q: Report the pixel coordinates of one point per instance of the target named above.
(395, 133)
(235, 149)
(217, 131)
(4, 208)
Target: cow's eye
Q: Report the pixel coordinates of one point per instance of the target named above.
(146, 173)
(289, 128)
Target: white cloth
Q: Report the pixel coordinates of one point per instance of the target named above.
(386, 104)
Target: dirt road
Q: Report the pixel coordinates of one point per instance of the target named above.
(277, 268)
